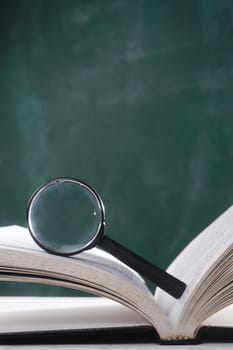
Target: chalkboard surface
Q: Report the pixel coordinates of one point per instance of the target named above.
(133, 97)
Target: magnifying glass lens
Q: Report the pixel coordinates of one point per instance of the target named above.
(65, 217)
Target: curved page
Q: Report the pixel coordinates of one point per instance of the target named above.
(193, 265)
(94, 270)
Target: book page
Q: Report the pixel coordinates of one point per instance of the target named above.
(222, 318)
(33, 314)
(195, 263)
(19, 237)
(93, 271)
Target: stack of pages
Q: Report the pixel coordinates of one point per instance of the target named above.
(124, 300)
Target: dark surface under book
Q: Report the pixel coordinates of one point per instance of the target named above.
(144, 334)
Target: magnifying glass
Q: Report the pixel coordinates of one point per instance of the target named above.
(65, 216)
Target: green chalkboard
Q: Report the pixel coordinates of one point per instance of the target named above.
(133, 97)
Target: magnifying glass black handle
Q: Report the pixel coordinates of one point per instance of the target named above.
(161, 278)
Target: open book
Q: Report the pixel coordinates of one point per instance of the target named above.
(205, 265)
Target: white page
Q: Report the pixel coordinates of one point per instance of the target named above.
(93, 271)
(19, 237)
(222, 318)
(194, 263)
(28, 314)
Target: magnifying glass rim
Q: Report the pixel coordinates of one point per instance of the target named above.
(101, 227)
